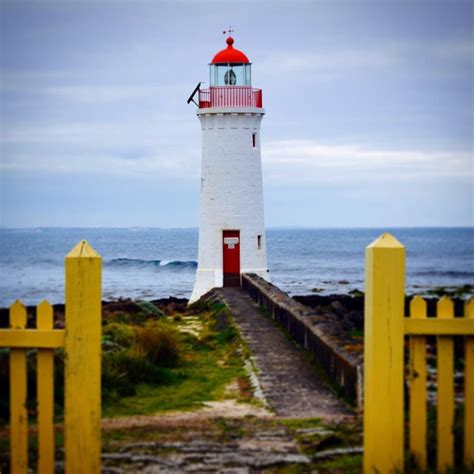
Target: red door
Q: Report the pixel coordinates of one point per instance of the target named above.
(231, 246)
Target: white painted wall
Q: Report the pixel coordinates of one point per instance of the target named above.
(231, 193)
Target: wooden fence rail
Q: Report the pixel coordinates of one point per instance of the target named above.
(81, 341)
(385, 330)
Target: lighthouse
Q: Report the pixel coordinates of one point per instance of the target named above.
(231, 223)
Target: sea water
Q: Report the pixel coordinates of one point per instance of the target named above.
(156, 263)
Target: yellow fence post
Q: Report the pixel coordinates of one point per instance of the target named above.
(45, 384)
(383, 355)
(418, 406)
(83, 360)
(445, 408)
(469, 391)
(18, 394)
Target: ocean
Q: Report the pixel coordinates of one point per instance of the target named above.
(149, 263)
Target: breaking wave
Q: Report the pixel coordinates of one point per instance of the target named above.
(137, 263)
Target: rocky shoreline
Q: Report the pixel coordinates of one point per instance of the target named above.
(344, 312)
(347, 310)
(167, 306)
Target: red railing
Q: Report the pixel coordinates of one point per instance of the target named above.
(230, 96)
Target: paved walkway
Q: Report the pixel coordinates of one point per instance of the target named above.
(289, 382)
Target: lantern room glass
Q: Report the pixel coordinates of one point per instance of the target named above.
(230, 75)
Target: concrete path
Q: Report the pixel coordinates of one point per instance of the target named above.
(289, 382)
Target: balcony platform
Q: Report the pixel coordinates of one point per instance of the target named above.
(234, 97)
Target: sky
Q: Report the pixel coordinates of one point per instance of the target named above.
(369, 110)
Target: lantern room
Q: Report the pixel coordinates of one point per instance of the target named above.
(230, 67)
(230, 82)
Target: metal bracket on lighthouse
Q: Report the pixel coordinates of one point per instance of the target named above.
(191, 97)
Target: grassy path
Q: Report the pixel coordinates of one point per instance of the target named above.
(200, 414)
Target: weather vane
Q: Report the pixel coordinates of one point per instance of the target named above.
(228, 32)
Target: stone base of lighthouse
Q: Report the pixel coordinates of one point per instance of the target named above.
(206, 280)
(231, 226)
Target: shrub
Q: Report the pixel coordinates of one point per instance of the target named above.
(220, 320)
(117, 316)
(217, 306)
(206, 338)
(201, 305)
(159, 344)
(122, 334)
(115, 380)
(150, 309)
(123, 370)
(226, 336)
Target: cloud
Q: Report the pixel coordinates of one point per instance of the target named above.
(152, 164)
(391, 56)
(63, 87)
(122, 150)
(98, 148)
(330, 61)
(313, 161)
(453, 49)
(78, 133)
(100, 93)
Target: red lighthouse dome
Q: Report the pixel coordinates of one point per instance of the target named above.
(230, 55)
(230, 82)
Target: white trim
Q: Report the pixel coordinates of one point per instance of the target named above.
(231, 110)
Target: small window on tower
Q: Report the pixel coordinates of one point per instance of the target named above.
(254, 140)
(259, 242)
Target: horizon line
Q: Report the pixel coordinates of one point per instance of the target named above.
(296, 227)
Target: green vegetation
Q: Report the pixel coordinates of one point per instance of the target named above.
(342, 464)
(301, 423)
(175, 364)
(152, 362)
(150, 309)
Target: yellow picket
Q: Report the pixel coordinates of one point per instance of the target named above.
(439, 327)
(383, 356)
(18, 394)
(83, 362)
(445, 408)
(383, 365)
(469, 391)
(45, 384)
(418, 419)
(82, 344)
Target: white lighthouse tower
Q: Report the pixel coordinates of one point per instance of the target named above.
(231, 225)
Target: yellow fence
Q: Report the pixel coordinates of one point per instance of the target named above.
(81, 340)
(385, 329)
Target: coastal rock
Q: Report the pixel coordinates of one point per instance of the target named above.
(123, 305)
(331, 317)
(357, 319)
(347, 324)
(339, 308)
(171, 305)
